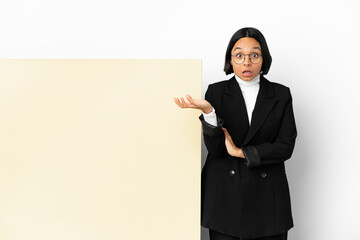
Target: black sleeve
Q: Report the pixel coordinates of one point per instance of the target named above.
(214, 137)
(279, 150)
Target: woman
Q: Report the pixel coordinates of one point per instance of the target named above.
(249, 131)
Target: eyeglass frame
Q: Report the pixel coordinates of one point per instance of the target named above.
(232, 55)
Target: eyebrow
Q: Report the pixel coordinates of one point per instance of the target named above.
(252, 48)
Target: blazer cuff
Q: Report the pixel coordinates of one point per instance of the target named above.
(252, 157)
(209, 129)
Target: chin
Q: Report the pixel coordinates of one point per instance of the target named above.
(248, 78)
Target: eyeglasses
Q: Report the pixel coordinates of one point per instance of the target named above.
(239, 58)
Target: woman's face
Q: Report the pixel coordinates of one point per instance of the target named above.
(246, 70)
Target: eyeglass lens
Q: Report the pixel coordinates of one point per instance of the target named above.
(240, 58)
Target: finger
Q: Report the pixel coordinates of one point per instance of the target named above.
(225, 132)
(181, 104)
(176, 100)
(188, 104)
(183, 100)
(189, 98)
(227, 135)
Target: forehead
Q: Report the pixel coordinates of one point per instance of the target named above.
(246, 43)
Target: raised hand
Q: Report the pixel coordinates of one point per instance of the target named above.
(200, 104)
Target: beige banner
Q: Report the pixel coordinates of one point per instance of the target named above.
(97, 149)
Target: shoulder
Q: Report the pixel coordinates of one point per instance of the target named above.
(219, 85)
(277, 85)
(280, 89)
(215, 92)
(217, 88)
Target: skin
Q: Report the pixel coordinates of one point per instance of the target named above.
(245, 45)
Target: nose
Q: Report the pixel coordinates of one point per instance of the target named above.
(247, 60)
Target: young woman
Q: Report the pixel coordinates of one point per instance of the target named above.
(249, 131)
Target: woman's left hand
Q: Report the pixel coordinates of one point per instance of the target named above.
(230, 146)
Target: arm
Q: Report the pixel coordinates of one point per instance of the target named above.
(210, 117)
(214, 137)
(281, 148)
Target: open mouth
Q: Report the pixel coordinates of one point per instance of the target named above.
(247, 73)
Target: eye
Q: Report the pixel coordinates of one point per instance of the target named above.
(239, 55)
(255, 55)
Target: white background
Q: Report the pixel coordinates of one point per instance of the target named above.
(315, 50)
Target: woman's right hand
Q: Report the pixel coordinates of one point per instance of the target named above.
(200, 104)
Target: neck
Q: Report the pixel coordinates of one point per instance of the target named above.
(252, 82)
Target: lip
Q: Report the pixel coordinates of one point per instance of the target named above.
(247, 74)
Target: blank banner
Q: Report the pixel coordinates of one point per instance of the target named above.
(97, 149)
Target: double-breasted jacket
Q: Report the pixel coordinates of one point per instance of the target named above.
(248, 197)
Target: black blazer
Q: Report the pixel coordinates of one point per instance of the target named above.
(248, 197)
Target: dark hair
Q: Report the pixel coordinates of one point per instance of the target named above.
(257, 35)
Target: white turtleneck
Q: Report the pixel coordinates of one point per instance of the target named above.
(249, 90)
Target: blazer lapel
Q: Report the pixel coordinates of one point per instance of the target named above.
(265, 102)
(234, 110)
(236, 114)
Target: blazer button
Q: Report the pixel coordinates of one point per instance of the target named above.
(232, 173)
(263, 175)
